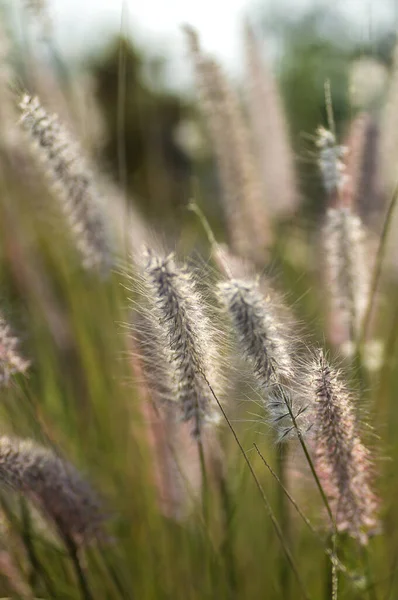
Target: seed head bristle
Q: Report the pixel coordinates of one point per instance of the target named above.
(265, 342)
(247, 220)
(64, 165)
(342, 461)
(154, 358)
(330, 161)
(270, 131)
(54, 485)
(347, 267)
(258, 331)
(361, 189)
(355, 143)
(187, 339)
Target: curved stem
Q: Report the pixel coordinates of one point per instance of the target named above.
(266, 502)
(378, 266)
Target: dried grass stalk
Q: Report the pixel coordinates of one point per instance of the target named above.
(245, 208)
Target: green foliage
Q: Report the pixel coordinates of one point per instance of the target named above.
(141, 122)
(83, 395)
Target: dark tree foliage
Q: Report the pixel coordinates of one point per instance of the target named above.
(141, 148)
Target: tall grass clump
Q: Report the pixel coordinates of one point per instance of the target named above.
(213, 448)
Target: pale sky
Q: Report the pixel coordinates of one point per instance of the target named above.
(218, 21)
(155, 24)
(154, 20)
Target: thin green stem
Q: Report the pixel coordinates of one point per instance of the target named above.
(214, 245)
(387, 366)
(228, 545)
(186, 482)
(308, 457)
(320, 488)
(266, 502)
(331, 578)
(372, 595)
(205, 483)
(329, 552)
(37, 568)
(284, 517)
(335, 579)
(103, 560)
(329, 107)
(378, 266)
(80, 575)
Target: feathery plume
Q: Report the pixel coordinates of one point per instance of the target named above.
(153, 360)
(177, 468)
(362, 184)
(355, 145)
(54, 485)
(187, 339)
(370, 197)
(265, 343)
(270, 131)
(330, 162)
(73, 183)
(347, 267)
(11, 362)
(244, 205)
(260, 335)
(210, 102)
(342, 461)
(162, 432)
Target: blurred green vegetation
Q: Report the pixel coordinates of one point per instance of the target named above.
(313, 47)
(81, 395)
(141, 147)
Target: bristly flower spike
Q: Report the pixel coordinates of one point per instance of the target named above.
(259, 332)
(246, 215)
(265, 343)
(54, 485)
(64, 166)
(342, 462)
(330, 162)
(270, 131)
(188, 339)
(347, 267)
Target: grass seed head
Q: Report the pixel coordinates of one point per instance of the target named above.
(54, 485)
(63, 164)
(187, 338)
(342, 461)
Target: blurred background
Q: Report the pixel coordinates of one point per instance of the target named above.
(128, 63)
(124, 81)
